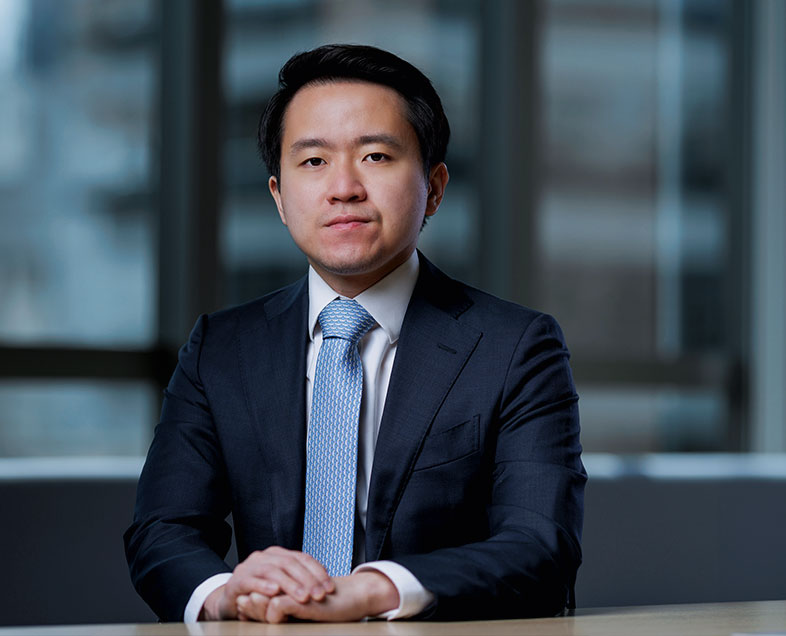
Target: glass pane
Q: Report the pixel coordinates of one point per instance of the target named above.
(77, 81)
(633, 225)
(66, 418)
(634, 249)
(639, 420)
(440, 38)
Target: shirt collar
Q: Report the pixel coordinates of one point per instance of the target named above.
(386, 300)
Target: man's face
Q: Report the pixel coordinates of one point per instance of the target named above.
(352, 189)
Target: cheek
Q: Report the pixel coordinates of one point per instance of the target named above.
(295, 185)
(408, 201)
(416, 207)
(296, 200)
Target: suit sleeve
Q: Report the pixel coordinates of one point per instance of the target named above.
(179, 533)
(527, 565)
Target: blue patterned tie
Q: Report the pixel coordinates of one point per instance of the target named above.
(332, 442)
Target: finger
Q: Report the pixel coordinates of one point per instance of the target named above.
(311, 576)
(253, 606)
(280, 608)
(298, 566)
(244, 582)
(241, 603)
(319, 572)
(291, 576)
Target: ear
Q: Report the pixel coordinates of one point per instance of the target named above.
(437, 182)
(272, 184)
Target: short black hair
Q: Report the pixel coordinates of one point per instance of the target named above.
(354, 62)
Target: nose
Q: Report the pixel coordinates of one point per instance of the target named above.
(345, 184)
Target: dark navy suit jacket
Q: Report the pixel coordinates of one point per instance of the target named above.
(477, 482)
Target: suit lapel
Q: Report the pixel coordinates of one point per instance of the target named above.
(433, 348)
(274, 369)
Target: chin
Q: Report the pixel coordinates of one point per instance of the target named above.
(350, 261)
(349, 268)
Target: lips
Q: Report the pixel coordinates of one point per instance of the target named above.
(346, 221)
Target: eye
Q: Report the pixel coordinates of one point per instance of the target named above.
(313, 161)
(376, 157)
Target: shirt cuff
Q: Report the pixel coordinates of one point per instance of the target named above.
(413, 597)
(200, 594)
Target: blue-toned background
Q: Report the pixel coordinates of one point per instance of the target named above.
(617, 163)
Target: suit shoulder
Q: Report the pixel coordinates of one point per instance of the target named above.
(261, 308)
(221, 328)
(506, 309)
(451, 292)
(484, 310)
(505, 316)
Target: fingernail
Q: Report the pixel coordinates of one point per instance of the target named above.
(256, 597)
(242, 600)
(318, 593)
(301, 593)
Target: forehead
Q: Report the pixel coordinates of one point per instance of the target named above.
(345, 107)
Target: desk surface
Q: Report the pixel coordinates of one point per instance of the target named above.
(712, 619)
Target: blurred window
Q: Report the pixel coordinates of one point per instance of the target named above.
(636, 256)
(77, 241)
(48, 418)
(596, 162)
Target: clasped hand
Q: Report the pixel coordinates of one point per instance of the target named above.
(273, 584)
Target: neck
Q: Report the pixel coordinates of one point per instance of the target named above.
(350, 285)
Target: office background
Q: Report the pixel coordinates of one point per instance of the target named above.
(617, 163)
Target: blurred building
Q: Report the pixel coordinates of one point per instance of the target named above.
(615, 163)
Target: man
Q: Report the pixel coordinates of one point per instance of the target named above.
(375, 413)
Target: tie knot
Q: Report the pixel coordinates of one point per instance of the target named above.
(345, 319)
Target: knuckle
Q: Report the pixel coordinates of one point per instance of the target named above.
(275, 603)
(268, 570)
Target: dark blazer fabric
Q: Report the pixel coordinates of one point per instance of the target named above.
(477, 483)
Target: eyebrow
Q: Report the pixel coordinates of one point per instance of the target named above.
(364, 140)
(304, 144)
(382, 138)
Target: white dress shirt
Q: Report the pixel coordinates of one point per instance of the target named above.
(387, 302)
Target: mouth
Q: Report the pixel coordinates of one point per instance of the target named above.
(346, 222)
